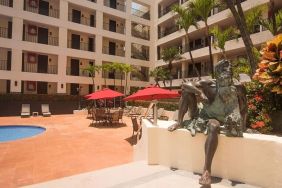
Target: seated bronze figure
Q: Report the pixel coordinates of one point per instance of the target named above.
(214, 106)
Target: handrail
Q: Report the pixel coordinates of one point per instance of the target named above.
(83, 46)
(3, 64)
(34, 38)
(118, 52)
(52, 12)
(119, 29)
(3, 32)
(8, 3)
(83, 20)
(32, 67)
(119, 6)
(141, 14)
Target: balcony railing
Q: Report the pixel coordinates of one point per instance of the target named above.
(117, 5)
(137, 54)
(141, 14)
(143, 34)
(3, 64)
(167, 9)
(83, 21)
(117, 52)
(52, 12)
(82, 46)
(82, 72)
(34, 38)
(109, 75)
(3, 32)
(8, 3)
(168, 31)
(32, 67)
(118, 29)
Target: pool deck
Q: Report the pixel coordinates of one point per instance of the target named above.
(69, 146)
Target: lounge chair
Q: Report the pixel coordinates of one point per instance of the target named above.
(25, 110)
(45, 110)
(137, 128)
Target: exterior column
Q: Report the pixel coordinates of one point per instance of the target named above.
(62, 66)
(183, 68)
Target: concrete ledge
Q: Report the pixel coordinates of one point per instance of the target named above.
(253, 159)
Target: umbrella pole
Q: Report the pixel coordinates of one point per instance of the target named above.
(155, 112)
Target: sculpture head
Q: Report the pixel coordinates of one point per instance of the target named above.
(223, 73)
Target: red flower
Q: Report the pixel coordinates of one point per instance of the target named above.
(258, 124)
(252, 107)
(258, 98)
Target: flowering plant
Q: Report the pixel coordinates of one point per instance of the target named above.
(259, 106)
(269, 72)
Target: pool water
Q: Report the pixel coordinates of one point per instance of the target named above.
(15, 132)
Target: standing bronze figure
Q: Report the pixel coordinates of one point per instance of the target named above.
(224, 109)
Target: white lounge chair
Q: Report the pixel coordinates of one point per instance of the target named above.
(45, 110)
(25, 110)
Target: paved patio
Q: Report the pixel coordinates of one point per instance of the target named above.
(69, 146)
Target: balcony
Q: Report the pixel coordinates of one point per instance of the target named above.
(6, 27)
(7, 3)
(81, 46)
(140, 14)
(81, 72)
(140, 52)
(4, 32)
(49, 40)
(42, 7)
(43, 88)
(140, 31)
(39, 63)
(31, 67)
(167, 31)
(111, 51)
(91, 21)
(113, 27)
(115, 4)
(141, 74)
(167, 9)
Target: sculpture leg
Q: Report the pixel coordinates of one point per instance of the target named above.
(183, 108)
(210, 149)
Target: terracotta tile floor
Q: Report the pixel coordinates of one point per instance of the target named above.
(69, 146)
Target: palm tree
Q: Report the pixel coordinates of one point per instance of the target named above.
(238, 14)
(274, 25)
(202, 9)
(169, 55)
(159, 74)
(92, 69)
(185, 20)
(221, 37)
(120, 68)
(127, 69)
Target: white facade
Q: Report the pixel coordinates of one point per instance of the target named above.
(56, 31)
(168, 35)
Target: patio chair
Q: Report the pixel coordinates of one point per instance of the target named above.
(45, 110)
(137, 128)
(25, 110)
(114, 118)
(120, 115)
(100, 115)
(93, 116)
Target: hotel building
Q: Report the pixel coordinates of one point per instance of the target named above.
(45, 45)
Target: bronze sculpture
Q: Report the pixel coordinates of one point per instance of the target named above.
(224, 109)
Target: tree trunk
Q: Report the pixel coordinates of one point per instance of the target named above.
(244, 33)
(93, 84)
(170, 74)
(210, 49)
(187, 41)
(105, 79)
(125, 89)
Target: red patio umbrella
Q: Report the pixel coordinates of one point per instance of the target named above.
(105, 93)
(152, 93)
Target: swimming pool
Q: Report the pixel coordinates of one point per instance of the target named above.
(15, 132)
